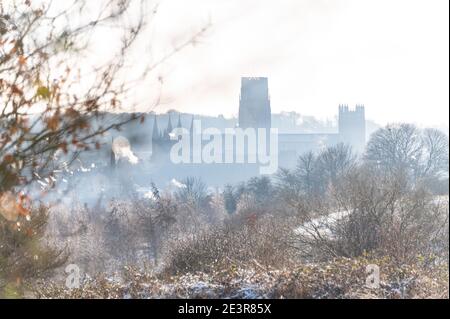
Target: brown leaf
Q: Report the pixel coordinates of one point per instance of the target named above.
(8, 206)
(22, 211)
(72, 113)
(63, 146)
(52, 123)
(8, 159)
(16, 90)
(22, 60)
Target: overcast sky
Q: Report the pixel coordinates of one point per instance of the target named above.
(391, 55)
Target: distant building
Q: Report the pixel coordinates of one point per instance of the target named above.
(352, 126)
(254, 104)
(255, 112)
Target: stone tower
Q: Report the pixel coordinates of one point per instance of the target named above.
(254, 103)
(352, 127)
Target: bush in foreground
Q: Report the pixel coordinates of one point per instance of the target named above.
(339, 278)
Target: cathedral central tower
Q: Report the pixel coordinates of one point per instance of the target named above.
(254, 103)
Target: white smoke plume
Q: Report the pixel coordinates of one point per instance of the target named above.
(177, 184)
(122, 149)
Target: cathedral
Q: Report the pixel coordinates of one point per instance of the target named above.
(255, 112)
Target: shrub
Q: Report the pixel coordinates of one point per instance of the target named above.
(377, 213)
(337, 278)
(23, 254)
(239, 242)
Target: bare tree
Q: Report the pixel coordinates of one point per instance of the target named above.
(377, 213)
(260, 188)
(230, 199)
(46, 104)
(395, 147)
(55, 91)
(335, 162)
(290, 190)
(155, 219)
(51, 96)
(306, 187)
(422, 154)
(435, 154)
(306, 171)
(194, 193)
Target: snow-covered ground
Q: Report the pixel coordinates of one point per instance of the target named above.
(320, 225)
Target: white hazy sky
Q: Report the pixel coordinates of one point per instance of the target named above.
(391, 55)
